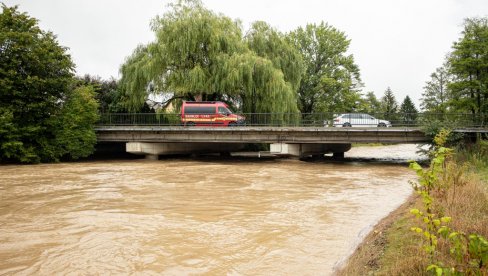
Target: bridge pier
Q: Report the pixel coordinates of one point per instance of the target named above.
(153, 150)
(338, 155)
(303, 150)
(152, 157)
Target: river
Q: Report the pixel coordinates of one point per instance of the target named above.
(180, 216)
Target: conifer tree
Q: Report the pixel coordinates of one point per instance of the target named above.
(408, 111)
(389, 105)
(436, 96)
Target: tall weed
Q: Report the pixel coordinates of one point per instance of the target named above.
(441, 183)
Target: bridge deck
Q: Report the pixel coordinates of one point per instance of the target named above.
(320, 135)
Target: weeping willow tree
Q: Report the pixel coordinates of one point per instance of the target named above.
(267, 42)
(200, 55)
(261, 87)
(191, 43)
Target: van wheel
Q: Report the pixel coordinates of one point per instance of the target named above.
(232, 124)
(381, 125)
(190, 124)
(346, 125)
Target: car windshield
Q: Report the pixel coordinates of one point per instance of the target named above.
(224, 110)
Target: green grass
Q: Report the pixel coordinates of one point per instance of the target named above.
(400, 239)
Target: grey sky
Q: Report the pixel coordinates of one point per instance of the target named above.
(395, 43)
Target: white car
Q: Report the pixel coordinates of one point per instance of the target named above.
(359, 120)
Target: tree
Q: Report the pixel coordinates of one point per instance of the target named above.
(408, 111)
(73, 127)
(435, 96)
(469, 67)
(106, 92)
(191, 48)
(268, 43)
(200, 55)
(36, 76)
(389, 105)
(331, 78)
(261, 85)
(369, 104)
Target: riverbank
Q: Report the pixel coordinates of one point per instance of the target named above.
(391, 248)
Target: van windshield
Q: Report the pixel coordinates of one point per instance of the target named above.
(224, 110)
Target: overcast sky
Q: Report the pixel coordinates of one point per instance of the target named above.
(396, 43)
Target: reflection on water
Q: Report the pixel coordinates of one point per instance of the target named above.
(179, 216)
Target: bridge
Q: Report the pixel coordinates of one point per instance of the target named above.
(152, 135)
(296, 141)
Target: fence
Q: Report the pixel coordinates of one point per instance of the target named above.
(309, 119)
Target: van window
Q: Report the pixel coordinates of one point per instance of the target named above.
(224, 110)
(199, 109)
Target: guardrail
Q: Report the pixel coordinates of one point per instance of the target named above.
(461, 120)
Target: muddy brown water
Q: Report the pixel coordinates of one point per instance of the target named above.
(184, 216)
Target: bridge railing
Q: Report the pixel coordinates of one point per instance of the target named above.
(458, 120)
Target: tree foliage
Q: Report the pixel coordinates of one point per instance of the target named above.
(262, 86)
(369, 103)
(201, 55)
(268, 43)
(36, 76)
(461, 84)
(73, 126)
(191, 48)
(469, 66)
(331, 78)
(408, 111)
(106, 92)
(389, 104)
(436, 96)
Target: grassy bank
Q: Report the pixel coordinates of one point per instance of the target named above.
(394, 249)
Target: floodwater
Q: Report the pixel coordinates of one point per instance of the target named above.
(182, 216)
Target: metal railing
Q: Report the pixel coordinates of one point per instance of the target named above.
(455, 120)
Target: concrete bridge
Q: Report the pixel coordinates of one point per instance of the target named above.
(299, 135)
(295, 141)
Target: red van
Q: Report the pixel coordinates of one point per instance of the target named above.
(209, 114)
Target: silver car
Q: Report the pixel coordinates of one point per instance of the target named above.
(359, 120)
